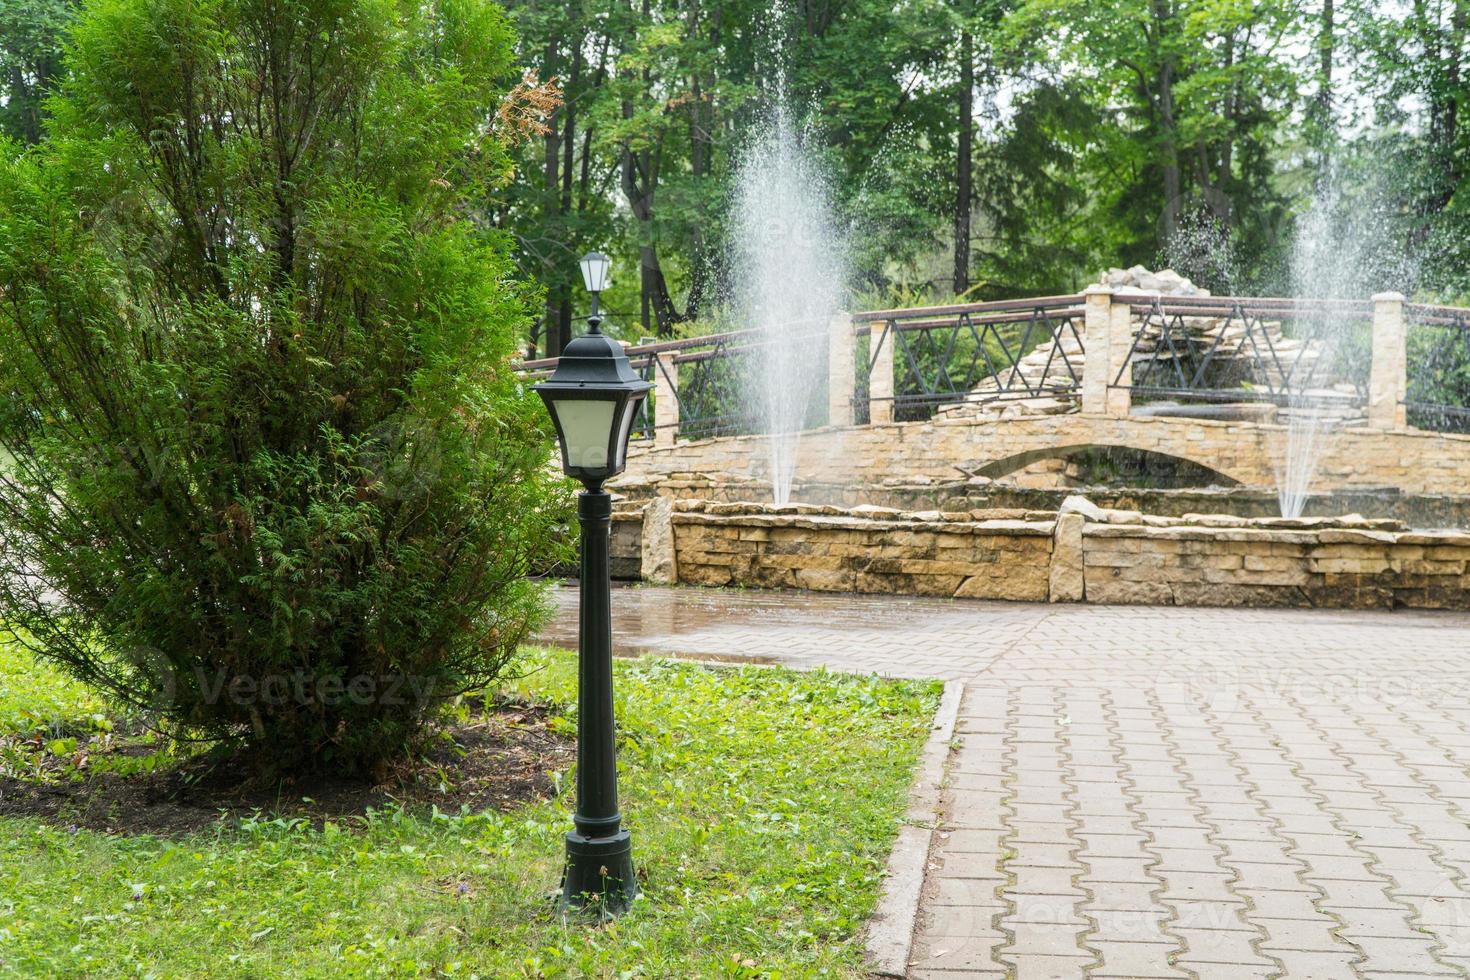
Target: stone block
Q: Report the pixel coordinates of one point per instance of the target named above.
(1327, 551)
(1271, 563)
(692, 573)
(868, 582)
(1115, 538)
(1421, 566)
(1099, 558)
(730, 544)
(1343, 536)
(1361, 559)
(659, 551)
(1348, 566)
(768, 577)
(926, 566)
(813, 561)
(819, 580)
(1102, 587)
(1065, 581)
(1433, 597)
(1254, 595)
(1447, 538)
(1215, 520)
(1078, 504)
(1020, 584)
(1349, 592)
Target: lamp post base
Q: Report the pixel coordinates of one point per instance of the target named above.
(599, 878)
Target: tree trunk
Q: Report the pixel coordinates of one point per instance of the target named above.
(701, 152)
(1456, 71)
(1326, 49)
(1442, 48)
(551, 182)
(964, 170)
(563, 324)
(1320, 111)
(1163, 101)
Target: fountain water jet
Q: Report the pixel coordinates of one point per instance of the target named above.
(1340, 250)
(789, 274)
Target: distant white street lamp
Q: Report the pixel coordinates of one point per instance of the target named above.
(595, 270)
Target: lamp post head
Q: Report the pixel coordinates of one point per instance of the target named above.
(595, 270)
(593, 397)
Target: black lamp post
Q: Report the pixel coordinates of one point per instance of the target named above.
(593, 396)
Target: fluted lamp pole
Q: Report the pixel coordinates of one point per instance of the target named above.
(593, 397)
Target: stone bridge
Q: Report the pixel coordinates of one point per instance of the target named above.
(1241, 453)
(1092, 392)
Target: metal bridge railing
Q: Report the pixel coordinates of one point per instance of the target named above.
(976, 352)
(709, 380)
(1437, 390)
(1237, 349)
(1384, 362)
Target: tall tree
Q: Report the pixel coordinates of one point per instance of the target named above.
(268, 469)
(31, 33)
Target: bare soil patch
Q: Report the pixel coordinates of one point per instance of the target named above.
(502, 759)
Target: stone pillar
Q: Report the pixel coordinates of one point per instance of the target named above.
(1120, 346)
(841, 370)
(665, 401)
(659, 560)
(1388, 385)
(880, 380)
(1065, 583)
(1095, 333)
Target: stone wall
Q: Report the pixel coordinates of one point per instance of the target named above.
(981, 493)
(868, 549)
(1082, 553)
(625, 545)
(1242, 452)
(1347, 568)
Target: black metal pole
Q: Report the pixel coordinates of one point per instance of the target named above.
(599, 873)
(594, 319)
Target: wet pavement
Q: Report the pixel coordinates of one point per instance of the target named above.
(1155, 792)
(962, 639)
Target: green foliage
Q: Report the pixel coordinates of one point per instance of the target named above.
(1107, 133)
(265, 443)
(762, 801)
(1440, 377)
(31, 34)
(1178, 133)
(37, 698)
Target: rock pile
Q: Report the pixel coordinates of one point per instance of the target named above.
(1140, 280)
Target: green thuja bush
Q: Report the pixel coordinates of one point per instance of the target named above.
(267, 470)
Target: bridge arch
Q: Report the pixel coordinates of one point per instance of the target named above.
(1192, 472)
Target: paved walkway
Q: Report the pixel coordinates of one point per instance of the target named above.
(1158, 792)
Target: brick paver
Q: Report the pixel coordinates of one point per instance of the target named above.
(1157, 792)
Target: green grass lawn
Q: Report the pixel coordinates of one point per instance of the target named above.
(762, 802)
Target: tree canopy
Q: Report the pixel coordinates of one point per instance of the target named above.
(993, 147)
(982, 147)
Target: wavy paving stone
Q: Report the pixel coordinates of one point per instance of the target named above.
(1157, 792)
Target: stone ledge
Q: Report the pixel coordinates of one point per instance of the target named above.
(1085, 554)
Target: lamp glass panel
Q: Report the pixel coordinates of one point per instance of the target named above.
(595, 267)
(586, 425)
(625, 430)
